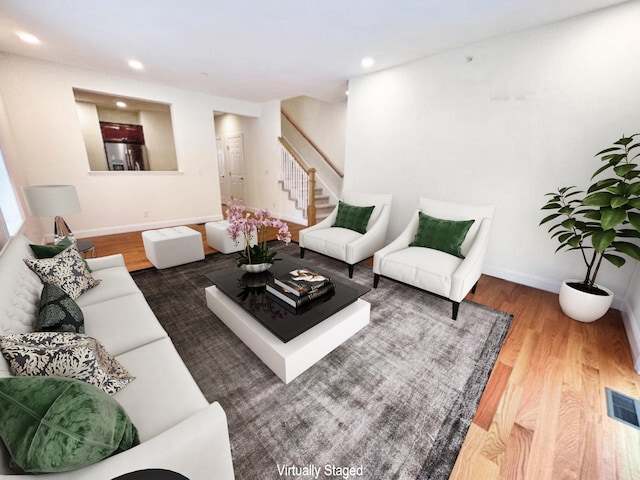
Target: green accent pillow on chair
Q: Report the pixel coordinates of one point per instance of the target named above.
(352, 217)
(444, 235)
(54, 424)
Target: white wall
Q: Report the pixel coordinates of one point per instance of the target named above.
(49, 148)
(525, 116)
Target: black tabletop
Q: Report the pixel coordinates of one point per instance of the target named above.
(249, 291)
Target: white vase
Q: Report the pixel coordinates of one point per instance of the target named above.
(583, 306)
(256, 267)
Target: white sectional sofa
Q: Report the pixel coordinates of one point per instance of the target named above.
(179, 430)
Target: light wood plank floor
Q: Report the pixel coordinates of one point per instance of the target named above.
(543, 414)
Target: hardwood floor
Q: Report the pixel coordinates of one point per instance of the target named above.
(543, 413)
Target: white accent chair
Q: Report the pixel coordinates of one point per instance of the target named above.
(348, 245)
(439, 273)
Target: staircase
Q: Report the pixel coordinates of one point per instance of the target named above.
(322, 202)
(304, 169)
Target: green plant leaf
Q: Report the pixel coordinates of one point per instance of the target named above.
(634, 220)
(602, 240)
(593, 215)
(574, 241)
(600, 199)
(628, 233)
(616, 190)
(635, 202)
(600, 184)
(628, 248)
(624, 141)
(600, 170)
(569, 223)
(622, 170)
(607, 150)
(549, 218)
(566, 210)
(615, 259)
(565, 236)
(617, 202)
(552, 206)
(612, 217)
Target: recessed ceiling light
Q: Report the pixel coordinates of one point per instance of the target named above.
(121, 104)
(28, 38)
(367, 62)
(136, 65)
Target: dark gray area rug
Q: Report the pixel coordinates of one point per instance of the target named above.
(395, 401)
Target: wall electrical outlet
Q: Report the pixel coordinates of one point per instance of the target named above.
(145, 213)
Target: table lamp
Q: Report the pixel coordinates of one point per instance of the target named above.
(53, 201)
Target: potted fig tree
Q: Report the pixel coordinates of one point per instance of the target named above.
(601, 224)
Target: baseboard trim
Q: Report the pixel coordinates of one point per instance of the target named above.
(96, 232)
(631, 325)
(538, 282)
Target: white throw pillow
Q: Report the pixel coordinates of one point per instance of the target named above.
(64, 354)
(66, 270)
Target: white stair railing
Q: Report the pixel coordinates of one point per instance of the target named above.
(298, 180)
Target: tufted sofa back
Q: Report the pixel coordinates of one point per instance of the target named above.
(20, 288)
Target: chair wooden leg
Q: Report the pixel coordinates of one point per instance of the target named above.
(456, 306)
(376, 279)
(301, 252)
(350, 271)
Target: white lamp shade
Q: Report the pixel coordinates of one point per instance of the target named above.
(51, 200)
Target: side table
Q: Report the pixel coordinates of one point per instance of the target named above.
(85, 247)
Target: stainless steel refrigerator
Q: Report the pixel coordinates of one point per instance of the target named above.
(126, 156)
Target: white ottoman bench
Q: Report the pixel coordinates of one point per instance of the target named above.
(168, 247)
(218, 238)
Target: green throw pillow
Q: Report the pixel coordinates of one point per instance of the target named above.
(48, 251)
(444, 235)
(352, 217)
(58, 312)
(53, 424)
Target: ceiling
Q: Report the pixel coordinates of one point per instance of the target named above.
(256, 50)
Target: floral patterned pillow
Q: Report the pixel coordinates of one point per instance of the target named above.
(64, 354)
(66, 270)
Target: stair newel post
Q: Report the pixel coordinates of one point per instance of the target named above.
(311, 204)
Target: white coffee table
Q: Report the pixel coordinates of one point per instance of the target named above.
(288, 360)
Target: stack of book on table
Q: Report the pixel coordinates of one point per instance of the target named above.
(300, 287)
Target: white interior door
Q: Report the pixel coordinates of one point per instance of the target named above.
(225, 181)
(234, 160)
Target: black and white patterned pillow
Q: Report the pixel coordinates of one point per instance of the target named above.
(66, 270)
(58, 312)
(64, 354)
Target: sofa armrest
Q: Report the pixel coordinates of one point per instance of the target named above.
(325, 223)
(469, 271)
(197, 448)
(109, 261)
(401, 242)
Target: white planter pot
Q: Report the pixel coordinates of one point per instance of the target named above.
(256, 267)
(582, 306)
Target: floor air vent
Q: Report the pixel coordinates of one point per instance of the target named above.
(623, 408)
